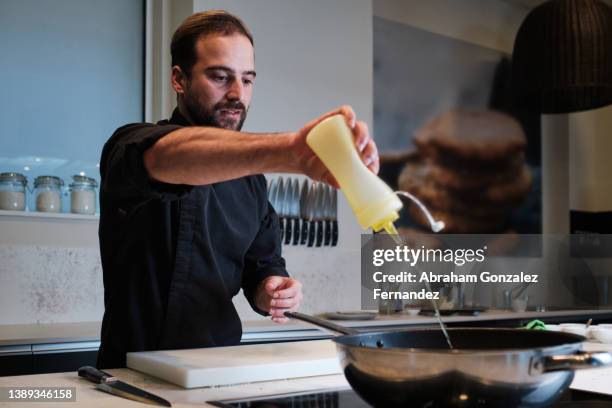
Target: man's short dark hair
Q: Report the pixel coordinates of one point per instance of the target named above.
(200, 24)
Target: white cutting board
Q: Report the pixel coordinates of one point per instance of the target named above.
(215, 366)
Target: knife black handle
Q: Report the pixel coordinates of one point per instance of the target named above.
(288, 234)
(334, 233)
(96, 376)
(304, 232)
(296, 231)
(281, 222)
(328, 233)
(311, 232)
(319, 233)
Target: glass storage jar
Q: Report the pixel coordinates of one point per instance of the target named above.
(12, 191)
(48, 191)
(83, 195)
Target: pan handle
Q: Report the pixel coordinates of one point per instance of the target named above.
(321, 323)
(566, 362)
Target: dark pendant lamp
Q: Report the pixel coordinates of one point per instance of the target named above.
(562, 58)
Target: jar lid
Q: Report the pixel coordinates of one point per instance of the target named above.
(13, 177)
(83, 181)
(48, 180)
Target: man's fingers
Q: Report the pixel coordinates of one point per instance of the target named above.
(273, 283)
(280, 311)
(289, 302)
(289, 292)
(330, 179)
(319, 172)
(286, 303)
(366, 146)
(369, 153)
(362, 135)
(374, 167)
(288, 283)
(349, 114)
(346, 111)
(370, 157)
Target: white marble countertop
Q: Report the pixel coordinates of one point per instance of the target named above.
(261, 330)
(88, 396)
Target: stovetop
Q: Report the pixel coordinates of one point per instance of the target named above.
(347, 398)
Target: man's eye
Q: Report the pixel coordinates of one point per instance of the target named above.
(247, 81)
(219, 78)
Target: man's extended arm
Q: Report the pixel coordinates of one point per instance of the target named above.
(204, 155)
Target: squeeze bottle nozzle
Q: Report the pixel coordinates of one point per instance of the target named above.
(375, 205)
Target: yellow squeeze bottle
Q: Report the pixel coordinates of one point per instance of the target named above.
(375, 205)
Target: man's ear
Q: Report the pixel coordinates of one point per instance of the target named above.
(178, 80)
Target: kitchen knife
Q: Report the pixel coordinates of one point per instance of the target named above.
(288, 194)
(272, 191)
(280, 206)
(319, 214)
(328, 215)
(334, 217)
(312, 198)
(295, 212)
(304, 212)
(273, 198)
(107, 383)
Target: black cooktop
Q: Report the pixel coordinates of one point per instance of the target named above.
(347, 398)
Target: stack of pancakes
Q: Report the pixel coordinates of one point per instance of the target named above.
(469, 171)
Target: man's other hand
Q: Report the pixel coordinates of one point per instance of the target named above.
(310, 164)
(277, 295)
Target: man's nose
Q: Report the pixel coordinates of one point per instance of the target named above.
(235, 90)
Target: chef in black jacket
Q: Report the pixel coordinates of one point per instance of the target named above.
(185, 222)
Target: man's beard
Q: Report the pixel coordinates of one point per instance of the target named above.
(201, 116)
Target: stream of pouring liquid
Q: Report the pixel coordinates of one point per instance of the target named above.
(390, 228)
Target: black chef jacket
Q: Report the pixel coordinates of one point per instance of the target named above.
(173, 256)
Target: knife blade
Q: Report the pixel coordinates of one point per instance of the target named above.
(295, 212)
(334, 217)
(107, 383)
(304, 212)
(328, 216)
(319, 208)
(272, 191)
(287, 211)
(312, 197)
(280, 206)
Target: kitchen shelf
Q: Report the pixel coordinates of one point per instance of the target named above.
(57, 216)
(48, 230)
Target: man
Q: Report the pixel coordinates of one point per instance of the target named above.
(185, 222)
